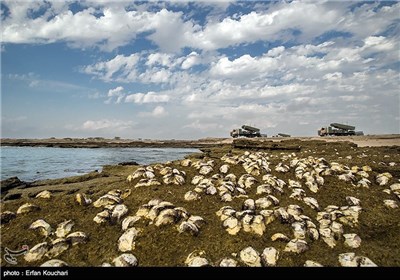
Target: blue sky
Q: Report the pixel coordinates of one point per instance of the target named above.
(188, 70)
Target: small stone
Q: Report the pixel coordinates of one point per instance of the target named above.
(129, 222)
(43, 227)
(77, 237)
(27, 207)
(228, 262)
(297, 246)
(54, 263)
(250, 257)
(58, 246)
(280, 237)
(102, 217)
(269, 256)
(232, 225)
(309, 263)
(64, 228)
(352, 240)
(125, 260)
(348, 260)
(44, 194)
(127, 240)
(195, 259)
(395, 187)
(83, 199)
(390, 203)
(352, 201)
(36, 252)
(189, 227)
(192, 196)
(198, 262)
(107, 199)
(118, 212)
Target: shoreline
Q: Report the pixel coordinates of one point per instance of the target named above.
(361, 141)
(112, 143)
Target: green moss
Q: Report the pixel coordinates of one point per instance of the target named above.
(378, 226)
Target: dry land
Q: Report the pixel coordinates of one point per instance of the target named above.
(349, 167)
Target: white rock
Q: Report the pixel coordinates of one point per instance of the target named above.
(352, 201)
(390, 203)
(58, 246)
(54, 263)
(127, 240)
(64, 228)
(250, 257)
(42, 226)
(102, 217)
(118, 212)
(352, 240)
(125, 260)
(270, 256)
(226, 197)
(296, 246)
(198, 262)
(263, 203)
(395, 187)
(192, 196)
(309, 263)
(27, 207)
(44, 194)
(228, 262)
(280, 237)
(224, 168)
(36, 252)
(190, 227)
(348, 260)
(107, 199)
(77, 237)
(129, 222)
(195, 259)
(232, 225)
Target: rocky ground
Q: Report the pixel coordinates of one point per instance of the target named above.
(293, 204)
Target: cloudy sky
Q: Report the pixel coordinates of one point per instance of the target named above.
(187, 70)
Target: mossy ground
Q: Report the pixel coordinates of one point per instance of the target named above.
(379, 227)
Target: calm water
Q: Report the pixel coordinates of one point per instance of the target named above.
(34, 163)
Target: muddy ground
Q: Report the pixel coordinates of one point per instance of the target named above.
(378, 226)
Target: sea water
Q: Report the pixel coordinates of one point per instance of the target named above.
(38, 163)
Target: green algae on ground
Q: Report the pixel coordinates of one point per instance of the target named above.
(378, 226)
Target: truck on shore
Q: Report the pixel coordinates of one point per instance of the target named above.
(246, 131)
(338, 129)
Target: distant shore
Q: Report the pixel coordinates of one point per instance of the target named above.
(112, 143)
(98, 142)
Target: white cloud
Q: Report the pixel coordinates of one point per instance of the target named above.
(107, 27)
(111, 25)
(122, 65)
(162, 59)
(150, 97)
(118, 93)
(157, 112)
(338, 79)
(106, 124)
(191, 60)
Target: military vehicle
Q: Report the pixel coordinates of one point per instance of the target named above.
(283, 135)
(246, 131)
(337, 129)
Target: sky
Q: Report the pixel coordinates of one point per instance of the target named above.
(188, 70)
